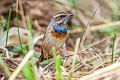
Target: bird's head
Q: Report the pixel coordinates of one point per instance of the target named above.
(59, 27)
(62, 17)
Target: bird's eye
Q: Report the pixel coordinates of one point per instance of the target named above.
(62, 16)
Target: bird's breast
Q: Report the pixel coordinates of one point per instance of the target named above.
(54, 39)
(59, 31)
(58, 35)
(63, 25)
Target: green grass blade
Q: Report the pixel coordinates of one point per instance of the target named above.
(57, 64)
(58, 68)
(54, 52)
(27, 70)
(30, 32)
(116, 11)
(55, 3)
(17, 18)
(113, 47)
(8, 26)
(21, 65)
(31, 45)
(74, 59)
(3, 65)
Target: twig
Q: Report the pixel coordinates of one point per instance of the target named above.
(22, 13)
(74, 59)
(93, 28)
(102, 72)
(48, 65)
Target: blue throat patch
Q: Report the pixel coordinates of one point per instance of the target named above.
(63, 20)
(60, 29)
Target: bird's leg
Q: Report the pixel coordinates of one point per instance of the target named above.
(47, 55)
(63, 51)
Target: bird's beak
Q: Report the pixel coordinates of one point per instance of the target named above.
(70, 15)
(67, 17)
(64, 20)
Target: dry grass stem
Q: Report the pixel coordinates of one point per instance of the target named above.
(100, 73)
(21, 65)
(93, 28)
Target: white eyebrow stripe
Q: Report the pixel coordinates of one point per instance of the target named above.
(58, 15)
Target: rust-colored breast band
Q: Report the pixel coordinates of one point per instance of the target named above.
(57, 35)
(63, 25)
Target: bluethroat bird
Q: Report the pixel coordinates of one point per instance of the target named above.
(56, 33)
